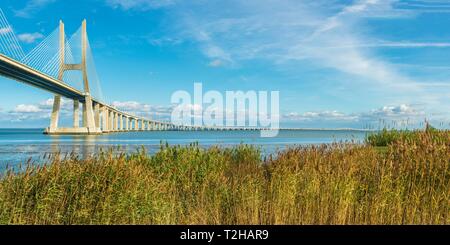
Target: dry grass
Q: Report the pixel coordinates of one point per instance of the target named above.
(327, 184)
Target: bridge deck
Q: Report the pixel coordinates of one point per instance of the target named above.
(22, 73)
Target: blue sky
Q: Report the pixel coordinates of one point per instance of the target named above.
(335, 63)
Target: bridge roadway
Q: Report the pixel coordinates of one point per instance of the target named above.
(107, 118)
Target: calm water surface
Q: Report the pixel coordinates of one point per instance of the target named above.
(18, 145)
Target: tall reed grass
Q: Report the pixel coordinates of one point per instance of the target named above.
(328, 184)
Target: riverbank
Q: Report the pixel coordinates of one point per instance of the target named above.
(407, 183)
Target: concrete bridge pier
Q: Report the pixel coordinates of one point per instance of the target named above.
(89, 125)
(136, 124)
(142, 128)
(116, 122)
(76, 114)
(127, 123)
(89, 119)
(104, 119)
(120, 123)
(97, 115)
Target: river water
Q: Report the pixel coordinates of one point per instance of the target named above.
(19, 145)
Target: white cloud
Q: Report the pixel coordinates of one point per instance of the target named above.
(215, 63)
(30, 37)
(144, 110)
(294, 31)
(403, 113)
(31, 7)
(217, 55)
(397, 111)
(22, 108)
(141, 5)
(5, 30)
(319, 34)
(324, 115)
(388, 44)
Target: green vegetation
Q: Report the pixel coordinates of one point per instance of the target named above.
(386, 136)
(328, 184)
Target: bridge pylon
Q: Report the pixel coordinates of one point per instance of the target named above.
(89, 125)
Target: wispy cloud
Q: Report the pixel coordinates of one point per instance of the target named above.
(30, 37)
(31, 7)
(216, 63)
(144, 110)
(23, 108)
(324, 35)
(388, 44)
(296, 33)
(402, 115)
(141, 5)
(5, 30)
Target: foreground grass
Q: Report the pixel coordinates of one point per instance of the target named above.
(328, 184)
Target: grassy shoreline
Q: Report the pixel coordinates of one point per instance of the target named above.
(407, 183)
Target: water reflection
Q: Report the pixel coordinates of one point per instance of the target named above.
(18, 145)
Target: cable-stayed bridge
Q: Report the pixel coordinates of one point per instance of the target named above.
(65, 67)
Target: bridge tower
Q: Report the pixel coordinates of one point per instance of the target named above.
(89, 125)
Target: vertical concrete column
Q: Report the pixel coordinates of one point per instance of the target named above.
(110, 120)
(115, 121)
(55, 112)
(148, 126)
(97, 115)
(76, 113)
(127, 123)
(88, 115)
(142, 125)
(120, 122)
(83, 56)
(136, 124)
(84, 119)
(89, 112)
(104, 119)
